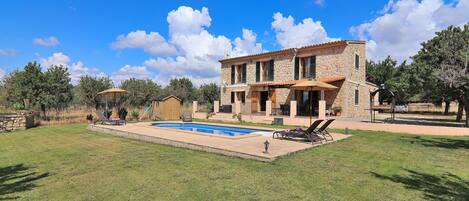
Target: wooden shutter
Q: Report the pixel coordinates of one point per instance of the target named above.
(312, 67)
(243, 78)
(297, 68)
(356, 96)
(258, 71)
(232, 74)
(357, 61)
(271, 70)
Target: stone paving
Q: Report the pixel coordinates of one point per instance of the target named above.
(251, 147)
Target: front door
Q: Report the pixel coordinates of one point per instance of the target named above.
(264, 97)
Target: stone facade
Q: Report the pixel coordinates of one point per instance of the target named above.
(333, 60)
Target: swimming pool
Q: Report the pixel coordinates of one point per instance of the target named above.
(207, 128)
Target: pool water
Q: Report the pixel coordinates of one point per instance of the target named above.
(207, 128)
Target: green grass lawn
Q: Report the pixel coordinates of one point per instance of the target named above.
(71, 163)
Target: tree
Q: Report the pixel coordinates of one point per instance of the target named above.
(140, 92)
(88, 88)
(444, 64)
(25, 86)
(209, 93)
(57, 89)
(182, 88)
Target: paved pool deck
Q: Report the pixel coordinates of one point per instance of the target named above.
(249, 147)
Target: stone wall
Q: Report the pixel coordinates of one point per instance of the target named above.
(20, 121)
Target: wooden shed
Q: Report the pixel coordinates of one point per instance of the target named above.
(169, 107)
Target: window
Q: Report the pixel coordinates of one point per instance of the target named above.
(258, 71)
(357, 61)
(243, 96)
(308, 67)
(356, 96)
(297, 68)
(232, 74)
(232, 97)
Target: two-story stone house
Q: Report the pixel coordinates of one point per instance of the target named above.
(257, 82)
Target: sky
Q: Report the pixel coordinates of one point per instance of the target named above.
(160, 40)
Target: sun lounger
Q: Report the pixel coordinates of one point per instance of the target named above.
(308, 134)
(107, 121)
(323, 132)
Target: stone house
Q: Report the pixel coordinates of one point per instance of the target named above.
(262, 84)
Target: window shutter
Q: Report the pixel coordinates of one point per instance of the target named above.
(258, 71)
(244, 74)
(297, 68)
(232, 97)
(357, 61)
(232, 74)
(271, 70)
(243, 97)
(356, 96)
(312, 67)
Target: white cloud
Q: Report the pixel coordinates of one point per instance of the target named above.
(127, 72)
(187, 21)
(247, 45)
(198, 51)
(192, 51)
(57, 58)
(2, 74)
(76, 70)
(48, 42)
(7, 52)
(152, 42)
(289, 34)
(404, 24)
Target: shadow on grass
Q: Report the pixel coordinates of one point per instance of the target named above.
(447, 143)
(436, 187)
(17, 178)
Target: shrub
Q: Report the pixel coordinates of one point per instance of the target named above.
(135, 114)
(18, 106)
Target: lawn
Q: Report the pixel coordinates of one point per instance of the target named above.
(71, 163)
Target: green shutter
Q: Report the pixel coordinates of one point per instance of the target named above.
(312, 67)
(258, 71)
(271, 70)
(244, 74)
(297, 68)
(232, 74)
(357, 61)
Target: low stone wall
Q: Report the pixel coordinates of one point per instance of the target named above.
(16, 121)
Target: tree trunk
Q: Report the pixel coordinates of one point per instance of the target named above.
(43, 109)
(447, 104)
(466, 108)
(460, 109)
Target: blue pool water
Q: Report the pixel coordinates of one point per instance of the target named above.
(206, 128)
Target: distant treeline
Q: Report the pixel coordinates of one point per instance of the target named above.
(34, 89)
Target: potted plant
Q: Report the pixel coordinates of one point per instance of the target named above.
(337, 110)
(135, 115)
(89, 118)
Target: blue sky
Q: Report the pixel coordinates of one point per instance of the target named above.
(163, 39)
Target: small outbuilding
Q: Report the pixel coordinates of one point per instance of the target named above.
(169, 107)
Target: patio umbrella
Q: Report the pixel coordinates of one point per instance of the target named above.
(313, 85)
(112, 92)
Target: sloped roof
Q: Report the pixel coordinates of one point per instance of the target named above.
(313, 46)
